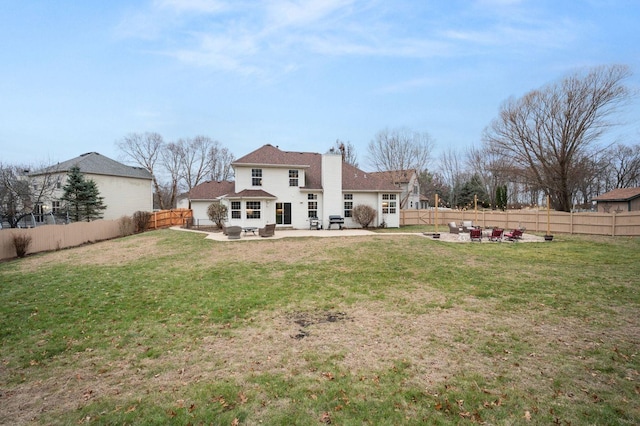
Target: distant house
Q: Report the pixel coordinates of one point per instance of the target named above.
(407, 181)
(291, 189)
(125, 189)
(619, 200)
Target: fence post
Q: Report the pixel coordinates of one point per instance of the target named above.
(613, 224)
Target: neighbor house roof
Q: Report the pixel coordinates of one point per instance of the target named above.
(396, 176)
(210, 190)
(620, 194)
(353, 179)
(96, 164)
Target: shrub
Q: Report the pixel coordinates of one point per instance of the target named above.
(141, 221)
(217, 213)
(21, 242)
(126, 225)
(363, 215)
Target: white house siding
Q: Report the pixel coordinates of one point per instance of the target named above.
(123, 196)
(332, 198)
(199, 209)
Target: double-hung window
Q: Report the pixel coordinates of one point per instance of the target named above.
(348, 204)
(312, 205)
(253, 209)
(293, 178)
(256, 177)
(236, 212)
(388, 203)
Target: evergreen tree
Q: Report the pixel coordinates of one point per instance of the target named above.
(82, 198)
(501, 197)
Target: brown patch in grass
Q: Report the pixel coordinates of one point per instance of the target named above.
(363, 340)
(110, 252)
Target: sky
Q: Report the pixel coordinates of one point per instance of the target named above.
(78, 76)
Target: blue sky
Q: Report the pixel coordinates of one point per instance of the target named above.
(77, 76)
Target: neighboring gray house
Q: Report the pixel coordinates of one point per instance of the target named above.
(125, 189)
(291, 188)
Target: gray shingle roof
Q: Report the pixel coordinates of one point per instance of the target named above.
(94, 163)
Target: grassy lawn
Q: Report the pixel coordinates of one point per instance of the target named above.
(166, 327)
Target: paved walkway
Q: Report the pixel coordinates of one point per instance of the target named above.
(324, 233)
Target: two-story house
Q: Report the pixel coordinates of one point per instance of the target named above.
(291, 188)
(407, 181)
(125, 189)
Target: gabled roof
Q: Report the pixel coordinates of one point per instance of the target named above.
(620, 194)
(251, 193)
(211, 190)
(96, 164)
(353, 179)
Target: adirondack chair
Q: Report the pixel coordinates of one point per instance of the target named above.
(496, 234)
(475, 234)
(514, 235)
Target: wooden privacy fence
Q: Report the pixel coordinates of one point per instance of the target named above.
(57, 237)
(167, 218)
(621, 224)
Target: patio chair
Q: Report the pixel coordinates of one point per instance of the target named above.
(233, 232)
(268, 230)
(475, 234)
(453, 228)
(514, 235)
(496, 235)
(467, 225)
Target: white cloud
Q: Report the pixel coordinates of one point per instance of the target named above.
(192, 6)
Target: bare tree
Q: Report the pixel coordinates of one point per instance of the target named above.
(622, 166)
(23, 192)
(549, 131)
(221, 159)
(172, 160)
(145, 149)
(348, 151)
(450, 167)
(196, 159)
(400, 149)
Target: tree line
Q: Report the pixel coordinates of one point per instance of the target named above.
(551, 141)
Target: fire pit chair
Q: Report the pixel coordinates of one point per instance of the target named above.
(475, 234)
(233, 232)
(496, 234)
(268, 230)
(453, 228)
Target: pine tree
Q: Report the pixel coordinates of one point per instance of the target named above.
(82, 198)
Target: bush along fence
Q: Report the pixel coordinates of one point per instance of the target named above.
(613, 224)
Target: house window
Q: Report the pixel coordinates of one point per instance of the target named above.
(256, 177)
(293, 178)
(235, 210)
(253, 209)
(389, 203)
(312, 205)
(55, 207)
(348, 205)
(38, 212)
